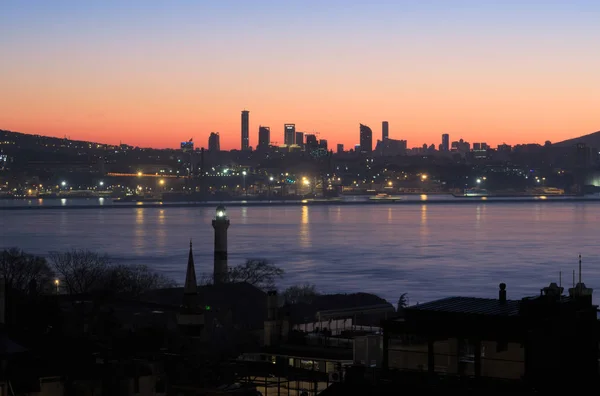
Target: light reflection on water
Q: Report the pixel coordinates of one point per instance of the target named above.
(304, 228)
(140, 232)
(161, 230)
(427, 251)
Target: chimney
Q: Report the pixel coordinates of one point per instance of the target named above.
(272, 305)
(272, 332)
(553, 292)
(502, 293)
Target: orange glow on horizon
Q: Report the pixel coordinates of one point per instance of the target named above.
(82, 72)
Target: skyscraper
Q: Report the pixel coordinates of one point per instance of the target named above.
(385, 130)
(366, 139)
(289, 134)
(445, 142)
(300, 138)
(264, 137)
(214, 142)
(340, 148)
(188, 146)
(245, 130)
(311, 142)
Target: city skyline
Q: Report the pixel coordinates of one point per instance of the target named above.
(153, 74)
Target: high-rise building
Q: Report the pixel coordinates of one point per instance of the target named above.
(445, 142)
(289, 134)
(264, 137)
(311, 142)
(187, 146)
(214, 142)
(366, 139)
(340, 148)
(323, 144)
(385, 130)
(391, 147)
(245, 129)
(300, 138)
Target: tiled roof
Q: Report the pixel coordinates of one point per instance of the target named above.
(470, 305)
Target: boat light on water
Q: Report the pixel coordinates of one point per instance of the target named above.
(385, 197)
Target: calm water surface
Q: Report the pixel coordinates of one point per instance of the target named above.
(428, 251)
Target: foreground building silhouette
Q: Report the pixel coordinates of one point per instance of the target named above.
(235, 338)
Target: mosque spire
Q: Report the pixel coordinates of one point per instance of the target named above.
(191, 285)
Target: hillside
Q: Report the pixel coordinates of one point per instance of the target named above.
(593, 140)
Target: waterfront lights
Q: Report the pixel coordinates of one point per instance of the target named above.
(139, 174)
(101, 183)
(63, 183)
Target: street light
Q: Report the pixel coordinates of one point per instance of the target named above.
(63, 183)
(161, 182)
(56, 282)
(244, 184)
(101, 183)
(139, 174)
(271, 178)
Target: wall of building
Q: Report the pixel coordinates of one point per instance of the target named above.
(505, 363)
(50, 387)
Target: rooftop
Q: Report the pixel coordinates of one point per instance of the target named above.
(471, 306)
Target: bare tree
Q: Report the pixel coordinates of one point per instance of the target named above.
(20, 270)
(402, 302)
(134, 280)
(258, 272)
(306, 293)
(205, 279)
(81, 271)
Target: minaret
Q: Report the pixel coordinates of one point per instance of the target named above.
(191, 285)
(190, 318)
(220, 224)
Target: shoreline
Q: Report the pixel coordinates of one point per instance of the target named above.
(455, 201)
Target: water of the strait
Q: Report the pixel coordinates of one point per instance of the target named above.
(428, 251)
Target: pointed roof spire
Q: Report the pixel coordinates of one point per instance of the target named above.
(191, 285)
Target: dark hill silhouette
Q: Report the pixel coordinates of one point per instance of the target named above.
(592, 140)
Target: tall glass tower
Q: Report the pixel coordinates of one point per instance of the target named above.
(245, 130)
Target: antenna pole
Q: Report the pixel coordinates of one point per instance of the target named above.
(559, 278)
(580, 269)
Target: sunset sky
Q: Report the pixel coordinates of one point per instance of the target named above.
(154, 73)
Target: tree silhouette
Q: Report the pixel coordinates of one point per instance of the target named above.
(25, 272)
(300, 294)
(402, 302)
